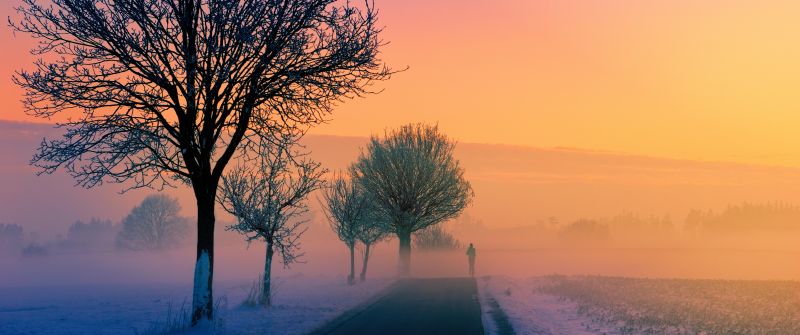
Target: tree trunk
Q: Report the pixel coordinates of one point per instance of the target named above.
(363, 276)
(266, 298)
(351, 279)
(405, 254)
(202, 297)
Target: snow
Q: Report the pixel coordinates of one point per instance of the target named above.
(533, 312)
(301, 303)
(202, 271)
(489, 326)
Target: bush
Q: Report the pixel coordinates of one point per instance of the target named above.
(34, 250)
(435, 238)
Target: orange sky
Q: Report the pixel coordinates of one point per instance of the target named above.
(706, 80)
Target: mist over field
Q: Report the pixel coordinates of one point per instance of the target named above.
(536, 212)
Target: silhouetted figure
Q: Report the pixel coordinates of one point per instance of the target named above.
(471, 256)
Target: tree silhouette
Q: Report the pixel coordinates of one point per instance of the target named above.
(158, 91)
(414, 180)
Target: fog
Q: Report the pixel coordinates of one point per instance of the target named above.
(522, 221)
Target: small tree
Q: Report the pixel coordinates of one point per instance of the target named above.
(345, 206)
(372, 229)
(435, 238)
(267, 198)
(414, 180)
(153, 225)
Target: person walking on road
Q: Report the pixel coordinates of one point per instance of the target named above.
(471, 256)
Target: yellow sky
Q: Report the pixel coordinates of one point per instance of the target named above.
(712, 80)
(706, 80)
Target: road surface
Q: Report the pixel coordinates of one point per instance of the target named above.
(417, 306)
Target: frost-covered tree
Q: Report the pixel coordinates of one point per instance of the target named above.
(372, 228)
(346, 206)
(267, 200)
(153, 225)
(435, 238)
(414, 180)
(154, 91)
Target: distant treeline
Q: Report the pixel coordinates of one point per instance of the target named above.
(153, 225)
(737, 219)
(745, 217)
(741, 218)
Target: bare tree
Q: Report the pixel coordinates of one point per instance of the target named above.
(267, 201)
(372, 229)
(153, 225)
(345, 206)
(414, 180)
(158, 91)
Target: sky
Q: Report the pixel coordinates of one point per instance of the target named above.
(703, 80)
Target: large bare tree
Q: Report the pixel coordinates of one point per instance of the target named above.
(346, 207)
(158, 91)
(414, 181)
(268, 200)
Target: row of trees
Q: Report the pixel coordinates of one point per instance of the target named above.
(164, 91)
(402, 183)
(268, 197)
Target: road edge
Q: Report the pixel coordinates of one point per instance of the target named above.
(495, 320)
(351, 313)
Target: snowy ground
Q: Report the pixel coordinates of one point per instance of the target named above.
(301, 304)
(532, 312)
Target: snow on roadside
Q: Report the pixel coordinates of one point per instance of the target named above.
(301, 303)
(536, 313)
(489, 325)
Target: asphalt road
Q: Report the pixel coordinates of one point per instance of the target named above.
(417, 306)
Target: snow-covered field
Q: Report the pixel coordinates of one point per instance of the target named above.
(531, 312)
(301, 303)
(615, 305)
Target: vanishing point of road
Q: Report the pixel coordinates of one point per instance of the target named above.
(416, 306)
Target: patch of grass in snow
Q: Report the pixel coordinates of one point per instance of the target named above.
(179, 320)
(255, 293)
